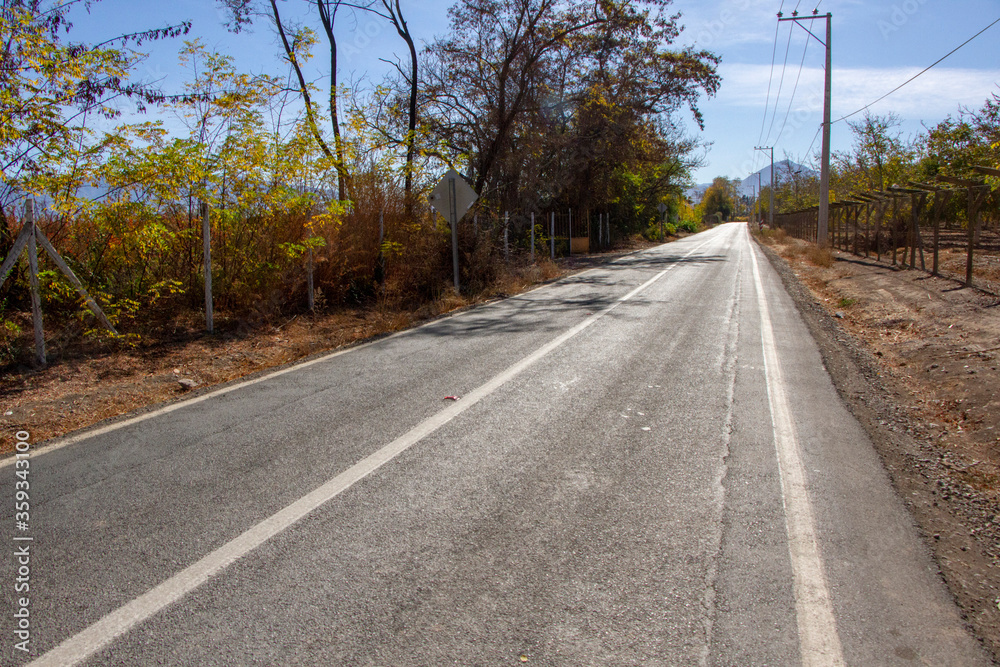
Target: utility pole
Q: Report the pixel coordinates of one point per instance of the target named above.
(760, 214)
(824, 179)
(770, 206)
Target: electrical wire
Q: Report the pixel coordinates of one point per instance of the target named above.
(794, 89)
(937, 62)
(813, 142)
(770, 79)
(781, 84)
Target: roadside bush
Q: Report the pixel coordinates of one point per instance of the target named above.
(688, 226)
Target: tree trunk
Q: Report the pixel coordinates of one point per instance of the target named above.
(327, 17)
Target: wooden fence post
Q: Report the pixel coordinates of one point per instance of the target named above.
(506, 244)
(921, 203)
(309, 283)
(68, 272)
(552, 235)
(206, 235)
(36, 299)
(977, 195)
(940, 200)
(569, 252)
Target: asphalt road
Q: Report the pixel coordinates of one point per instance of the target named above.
(647, 464)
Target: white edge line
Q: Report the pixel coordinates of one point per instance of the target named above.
(96, 636)
(819, 643)
(85, 433)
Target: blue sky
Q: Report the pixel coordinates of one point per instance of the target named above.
(876, 46)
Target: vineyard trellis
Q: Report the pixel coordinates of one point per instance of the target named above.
(906, 223)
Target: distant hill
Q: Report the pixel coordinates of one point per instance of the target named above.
(783, 170)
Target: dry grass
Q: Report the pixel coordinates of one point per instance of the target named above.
(819, 256)
(774, 236)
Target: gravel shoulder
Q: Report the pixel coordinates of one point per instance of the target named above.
(914, 358)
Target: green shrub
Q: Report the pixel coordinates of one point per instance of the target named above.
(688, 226)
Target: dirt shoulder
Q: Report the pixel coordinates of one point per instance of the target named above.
(915, 359)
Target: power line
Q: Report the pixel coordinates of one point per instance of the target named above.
(781, 85)
(794, 89)
(770, 79)
(813, 142)
(937, 62)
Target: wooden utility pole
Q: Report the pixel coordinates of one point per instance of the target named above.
(822, 227)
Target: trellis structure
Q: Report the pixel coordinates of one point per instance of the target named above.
(894, 220)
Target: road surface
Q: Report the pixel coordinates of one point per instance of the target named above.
(646, 464)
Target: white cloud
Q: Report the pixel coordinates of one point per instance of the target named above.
(934, 95)
(727, 23)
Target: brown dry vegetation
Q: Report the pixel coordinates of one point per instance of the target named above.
(930, 349)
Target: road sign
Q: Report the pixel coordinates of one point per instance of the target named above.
(662, 208)
(465, 196)
(453, 197)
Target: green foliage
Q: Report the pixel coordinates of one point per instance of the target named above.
(48, 89)
(719, 199)
(688, 226)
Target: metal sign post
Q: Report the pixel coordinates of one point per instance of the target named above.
(459, 197)
(662, 208)
(453, 219)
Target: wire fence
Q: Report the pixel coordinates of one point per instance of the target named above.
(551, 233)
(509, 237)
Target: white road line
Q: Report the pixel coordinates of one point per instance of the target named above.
(92, 639)
(65, 441)
(819, 643)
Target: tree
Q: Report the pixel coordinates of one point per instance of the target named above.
(392, 11)
(49, 88)
(879, 157)
(559, 95)
(718, 198)
(297, 43)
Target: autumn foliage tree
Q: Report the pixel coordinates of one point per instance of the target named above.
(542, 100)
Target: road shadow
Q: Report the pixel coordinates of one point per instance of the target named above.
(542, 311)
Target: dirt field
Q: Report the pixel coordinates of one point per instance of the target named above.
(916, 358)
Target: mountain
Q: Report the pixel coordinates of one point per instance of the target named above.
(783, 171)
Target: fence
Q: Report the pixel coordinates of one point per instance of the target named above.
(554, 233)
(518, 236)
(917, 225)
